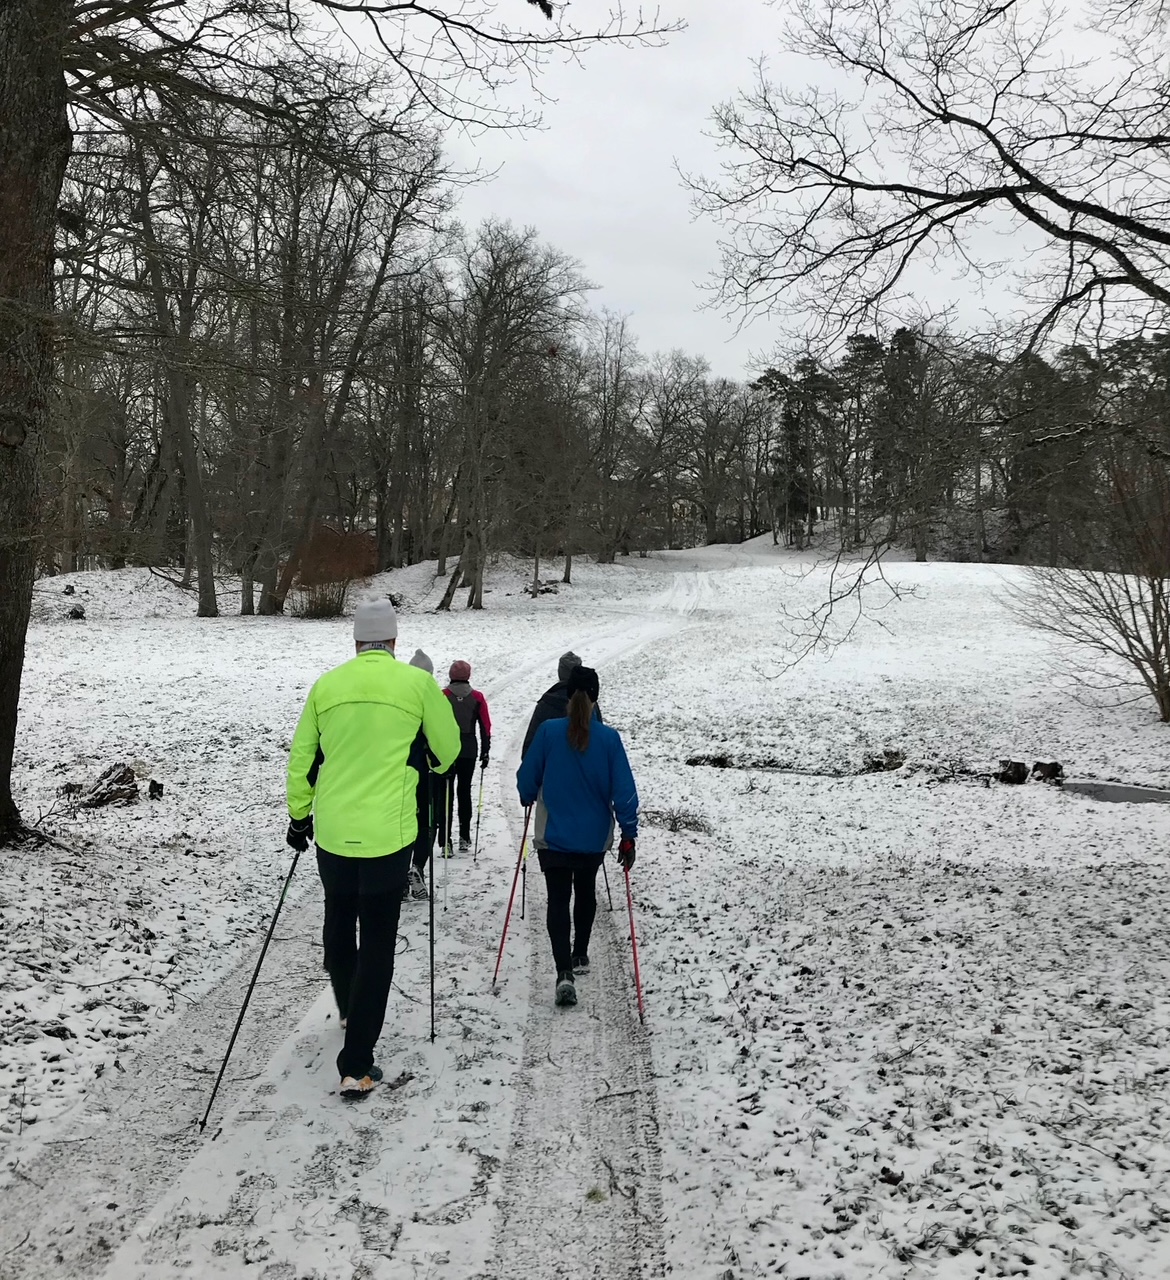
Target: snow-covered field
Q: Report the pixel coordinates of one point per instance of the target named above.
(899, 1024)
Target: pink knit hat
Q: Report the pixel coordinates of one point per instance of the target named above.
(460, 670)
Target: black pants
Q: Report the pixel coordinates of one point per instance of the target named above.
(459, 781)
(365, 891)
(565, 873)
(429, 799)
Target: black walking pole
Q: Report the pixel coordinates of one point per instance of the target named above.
(251, 985)
(431, 895)
(607, 891)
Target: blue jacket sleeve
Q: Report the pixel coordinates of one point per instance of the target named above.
(624, 794)
(530, 775)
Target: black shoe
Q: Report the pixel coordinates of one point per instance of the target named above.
(353, 1087)
(566, 988)
(581, 963)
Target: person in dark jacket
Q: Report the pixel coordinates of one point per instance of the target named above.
(554, 701)
(471, 714)
(580, 768)
(427, 799)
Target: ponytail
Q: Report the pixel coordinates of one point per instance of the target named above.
(580, 717)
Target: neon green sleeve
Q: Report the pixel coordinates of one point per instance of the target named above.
(301, 756)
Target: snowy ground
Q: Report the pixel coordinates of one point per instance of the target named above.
(900, 1024)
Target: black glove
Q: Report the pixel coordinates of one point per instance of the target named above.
(483, 758)
(300, 832)
(626, 853)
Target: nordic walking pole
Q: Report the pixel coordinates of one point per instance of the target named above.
(634, 943)
(478, 815)
(431, 895)
(251, 986)
(608, 894)
(512, 896)
(524, 885)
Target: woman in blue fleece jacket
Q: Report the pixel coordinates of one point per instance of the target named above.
(579, 767)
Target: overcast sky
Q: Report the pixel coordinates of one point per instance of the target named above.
(600, 183)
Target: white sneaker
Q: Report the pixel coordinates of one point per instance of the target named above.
(417, 885)
(351, 1087)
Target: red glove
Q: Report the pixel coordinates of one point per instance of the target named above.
(626, 853)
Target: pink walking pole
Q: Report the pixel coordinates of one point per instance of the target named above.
(512, 896)
(634, 941)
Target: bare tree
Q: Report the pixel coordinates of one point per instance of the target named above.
(512, 304)
(102, 55)
(950, 115)
(1120, 608)
(34, 148)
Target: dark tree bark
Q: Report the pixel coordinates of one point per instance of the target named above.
(34, 148)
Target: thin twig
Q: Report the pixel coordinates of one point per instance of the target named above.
(18, 1244)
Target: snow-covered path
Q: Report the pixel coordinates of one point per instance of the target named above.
(902, 1024)
(580, 1194)
(425, 1173)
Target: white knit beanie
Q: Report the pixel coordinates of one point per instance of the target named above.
(375, 620)
(420, 659)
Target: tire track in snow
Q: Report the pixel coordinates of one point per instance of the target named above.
(582, 1187)
(67, 1212)
(85, 1190)
(581, 1193)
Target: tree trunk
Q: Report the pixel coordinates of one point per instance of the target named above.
(536, 571)
(34, 147)
(200, 533)
(453, 581)
(247, 588)
(568, 575)
(266, 576)
(475, 595)
(178, 400)
(189, 555)
(473, 574)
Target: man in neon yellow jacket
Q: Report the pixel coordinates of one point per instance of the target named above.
(348, 775)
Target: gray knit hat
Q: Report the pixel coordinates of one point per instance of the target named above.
(420, 659)
(567, 663)
(375, 620)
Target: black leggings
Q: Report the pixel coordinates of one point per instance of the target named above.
(564, 873)
(365, 891)
(428, 799)
(458, 780)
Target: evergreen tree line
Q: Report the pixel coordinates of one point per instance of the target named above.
(960, 453)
